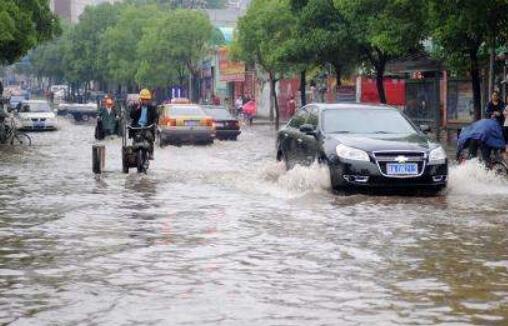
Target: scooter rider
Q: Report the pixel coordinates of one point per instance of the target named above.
(485, 135)
(145, 114)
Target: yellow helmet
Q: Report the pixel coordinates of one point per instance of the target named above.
(145, 94)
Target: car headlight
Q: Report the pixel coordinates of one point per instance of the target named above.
(350, 153)
(437, 156)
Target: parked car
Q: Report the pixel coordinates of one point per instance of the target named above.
(364, 146)
(226, 126)
(36, 115)
(184, 123)
(81, 112)
(62, 109)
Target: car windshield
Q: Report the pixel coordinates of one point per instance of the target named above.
(39, 107)
(361, 121)
(218, 113)
(185, 110)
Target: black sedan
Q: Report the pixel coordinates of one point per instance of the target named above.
(226, 126)
(364, 146)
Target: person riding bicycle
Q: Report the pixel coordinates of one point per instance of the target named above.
(144, 114)
(485, 135)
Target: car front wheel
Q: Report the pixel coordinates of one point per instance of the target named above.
(336, 180)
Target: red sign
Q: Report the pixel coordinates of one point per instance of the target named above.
(395, 90)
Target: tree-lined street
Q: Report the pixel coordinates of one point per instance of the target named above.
(226, 162)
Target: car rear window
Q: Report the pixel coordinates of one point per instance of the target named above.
(366, 121)
(218, 113)
(185, 110)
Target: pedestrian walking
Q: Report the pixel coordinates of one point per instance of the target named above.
(291, 105)
(250, 110)
(107, 120)
(238, 105)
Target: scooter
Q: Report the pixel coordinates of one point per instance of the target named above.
(137, 155)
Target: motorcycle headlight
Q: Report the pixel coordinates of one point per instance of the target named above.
(437, 156)
(350, 153)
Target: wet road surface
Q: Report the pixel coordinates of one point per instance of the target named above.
(222, 235)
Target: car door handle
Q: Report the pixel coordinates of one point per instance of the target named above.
(299, 141)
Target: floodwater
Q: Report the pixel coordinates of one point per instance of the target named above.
(223, 235)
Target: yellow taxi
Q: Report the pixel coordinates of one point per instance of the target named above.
(183, 122)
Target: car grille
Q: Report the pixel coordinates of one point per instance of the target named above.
(384, 158)
(37, 120)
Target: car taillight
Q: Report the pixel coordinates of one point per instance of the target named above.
(169, 122)
(208, 122)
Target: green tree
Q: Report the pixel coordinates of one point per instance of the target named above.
(23, 25)
(323, 37)
(118, 46)
(385, 30)
(83, 61)
(177, 43)
(46, 60)
(461, 28)
(262, 40)
(194, 4)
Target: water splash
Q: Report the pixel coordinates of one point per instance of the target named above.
(299, 181)
(471, 178)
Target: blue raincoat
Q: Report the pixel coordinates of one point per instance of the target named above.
(487, 131)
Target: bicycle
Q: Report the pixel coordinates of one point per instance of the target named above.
(10, 135)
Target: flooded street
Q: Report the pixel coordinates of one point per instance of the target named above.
(223, 235)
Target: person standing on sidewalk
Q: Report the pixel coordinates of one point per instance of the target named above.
(291, 106)
(495, 108)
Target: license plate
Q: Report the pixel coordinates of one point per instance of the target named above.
(191, 123)
(402, 169)
(39, 124)
(219, 124)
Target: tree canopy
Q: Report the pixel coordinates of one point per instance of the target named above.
(23, 25)
(460, 29)
(262, 39)
(385, 30)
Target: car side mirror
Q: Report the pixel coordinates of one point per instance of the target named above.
(425, 129)
(308, 129)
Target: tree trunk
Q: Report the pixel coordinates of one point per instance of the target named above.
(492, 60)
(273, 97)
(380, 74)
(196, 88)
(338, 74)
(474, 70)
(303, 96)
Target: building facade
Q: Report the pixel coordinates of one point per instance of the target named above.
(70, 10)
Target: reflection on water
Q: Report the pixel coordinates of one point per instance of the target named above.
(224, 235)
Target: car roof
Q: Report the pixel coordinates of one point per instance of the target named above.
(358, 106)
